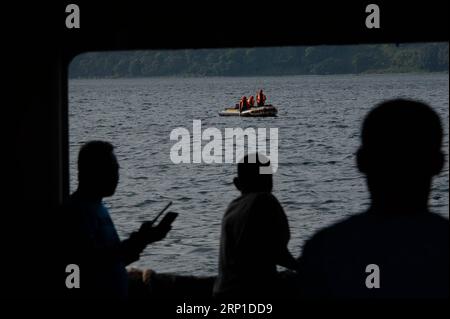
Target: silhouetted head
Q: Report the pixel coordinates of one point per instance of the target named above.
(401, 152)
(98, 170)
(249, 177)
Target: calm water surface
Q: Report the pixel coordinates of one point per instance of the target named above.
(317, 181)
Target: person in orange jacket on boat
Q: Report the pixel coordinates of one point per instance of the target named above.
(243, 104)
(251, 101)
(260, 98)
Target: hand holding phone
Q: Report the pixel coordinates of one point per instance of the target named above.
(148, 225)
(153, 233)
(167, 220)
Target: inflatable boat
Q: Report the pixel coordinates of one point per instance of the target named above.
(257, 111)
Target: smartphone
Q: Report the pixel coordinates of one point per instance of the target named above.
(160, 213)
(167, 219)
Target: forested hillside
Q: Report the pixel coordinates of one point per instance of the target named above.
(430, 57)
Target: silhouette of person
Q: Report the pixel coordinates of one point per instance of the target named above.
(94, 244)
(397, 248)
(254, 236)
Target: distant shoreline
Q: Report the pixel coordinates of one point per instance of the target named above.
(264, 61)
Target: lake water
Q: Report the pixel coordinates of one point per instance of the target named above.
(317, 181)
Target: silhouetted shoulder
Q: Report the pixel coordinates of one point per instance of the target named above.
(259, 201)
(364, 225)
(411, 251)
(265, 198)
